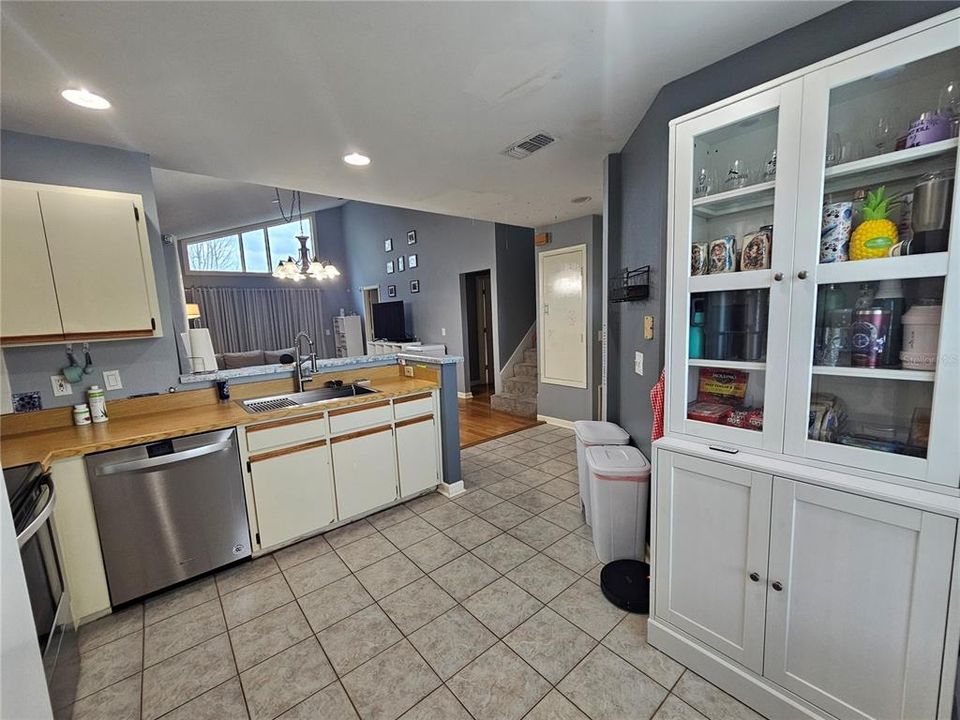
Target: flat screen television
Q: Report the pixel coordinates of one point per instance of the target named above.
(389, 322)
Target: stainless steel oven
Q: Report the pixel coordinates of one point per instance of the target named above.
(32, 500)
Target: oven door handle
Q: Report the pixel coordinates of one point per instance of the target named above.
(160, 461)
(30, 530)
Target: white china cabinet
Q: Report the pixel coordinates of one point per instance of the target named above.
(806, 491)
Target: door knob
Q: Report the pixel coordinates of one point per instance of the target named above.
(802, 274)
(778, 277)
(755, 577)
(777, 585)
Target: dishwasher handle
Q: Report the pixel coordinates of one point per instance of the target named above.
(162, 460)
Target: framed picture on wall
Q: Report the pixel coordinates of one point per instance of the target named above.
(400, 265)
(414, 286)
(391, 290)
(412, 262)
(388, 245)
(389, 267)
(412, 237)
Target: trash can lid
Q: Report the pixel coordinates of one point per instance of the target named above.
(595, 432)
(617, 462)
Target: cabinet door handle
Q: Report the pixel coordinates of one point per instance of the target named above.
(802, 274)
(778, 277)
(755, 577)
(777, 585)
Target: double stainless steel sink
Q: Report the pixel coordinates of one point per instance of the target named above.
(301, 399)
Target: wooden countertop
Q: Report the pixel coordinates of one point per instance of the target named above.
(47, 445)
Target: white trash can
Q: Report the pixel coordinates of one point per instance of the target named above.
(593, 432)
(620, 490)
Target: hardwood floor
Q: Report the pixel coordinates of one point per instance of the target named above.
(479, 422)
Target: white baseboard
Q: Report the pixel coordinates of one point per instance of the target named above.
(451, 490)
(559, 422)
(464, 395)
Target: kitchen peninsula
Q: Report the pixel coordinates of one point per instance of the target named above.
(306, 469)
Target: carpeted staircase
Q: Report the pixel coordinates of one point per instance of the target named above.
(519, 396)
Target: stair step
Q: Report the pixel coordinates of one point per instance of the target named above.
(514, 404)
(525, 370)
(522, 385)
(530, 355)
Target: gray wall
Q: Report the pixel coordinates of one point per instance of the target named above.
(559, 401)
(641, 239)
(331, 246)
(446, 247)
(516, 286)
(144, 365)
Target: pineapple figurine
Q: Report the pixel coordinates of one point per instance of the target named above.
(874, 237)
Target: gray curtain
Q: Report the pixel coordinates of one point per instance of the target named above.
(242, 319)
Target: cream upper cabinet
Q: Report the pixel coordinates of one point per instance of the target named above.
(76, 266)
(857, 596)
(28, 299)
(98, 262)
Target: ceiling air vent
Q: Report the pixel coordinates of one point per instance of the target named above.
(529, 145)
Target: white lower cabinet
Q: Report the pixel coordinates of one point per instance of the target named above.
(365, 465)
(713, 522)
(417, 455)
(293, 491)
(837, 598)
(857, 602)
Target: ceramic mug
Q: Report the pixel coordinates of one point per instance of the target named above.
(835, 232)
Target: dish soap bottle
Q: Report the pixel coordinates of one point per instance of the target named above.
(97, 400)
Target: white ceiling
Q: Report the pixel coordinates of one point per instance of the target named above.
(190, 205)
(275, 93)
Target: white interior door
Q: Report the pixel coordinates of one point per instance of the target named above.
(563, 316)
(856, 626)
(712, 526)
(28, 299)
(98, 262)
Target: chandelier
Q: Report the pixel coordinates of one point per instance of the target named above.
(302, 267)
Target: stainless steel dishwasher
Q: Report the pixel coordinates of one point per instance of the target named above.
(168, 511)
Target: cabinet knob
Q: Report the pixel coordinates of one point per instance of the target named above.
(755, 577)
(778, 277)
(802, 274)
(777, 585)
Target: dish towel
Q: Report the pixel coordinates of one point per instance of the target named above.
(656, 404)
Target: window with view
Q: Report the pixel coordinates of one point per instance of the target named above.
(254, 249)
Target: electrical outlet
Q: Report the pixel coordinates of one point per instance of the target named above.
(60, 386)
(638, 363)
(111, 380)
(408, 370)
(648, 327)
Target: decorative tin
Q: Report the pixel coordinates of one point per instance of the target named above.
(698, 258)
(723, 255)
(835, 232)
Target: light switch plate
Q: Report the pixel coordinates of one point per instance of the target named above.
(60, 386)
(443, 332)
(638, 363)
(111, 380)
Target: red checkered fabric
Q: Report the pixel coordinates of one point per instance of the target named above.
(656, 404)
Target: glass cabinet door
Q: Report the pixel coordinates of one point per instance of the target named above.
(874, 376)
(733, 214)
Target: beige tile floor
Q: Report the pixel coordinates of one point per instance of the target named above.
(483, 607)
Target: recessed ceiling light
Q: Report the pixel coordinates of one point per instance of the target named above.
(85, 98)
(579, 200)
(356, 159)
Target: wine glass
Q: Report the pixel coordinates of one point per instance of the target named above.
(883, 132)
(834, 149)
(737, 175)
(949, 105)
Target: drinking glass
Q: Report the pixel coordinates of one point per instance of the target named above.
(949, 105)
(737, 175)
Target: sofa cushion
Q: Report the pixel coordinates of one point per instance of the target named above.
(232, 361)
